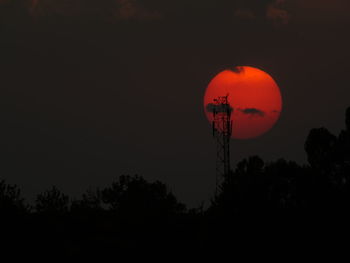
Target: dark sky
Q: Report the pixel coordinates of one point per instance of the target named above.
(92, 89)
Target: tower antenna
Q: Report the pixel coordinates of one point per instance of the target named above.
(222, 131)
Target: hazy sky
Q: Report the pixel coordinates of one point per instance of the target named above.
(92, 89)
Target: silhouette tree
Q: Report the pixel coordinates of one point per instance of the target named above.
(11, 201)
(278, 199)
(134, 196)
(241, 189)
(320, 148)
(91, 202)
(343, 145)
(347, 119)
(13, 220)
(52, 201)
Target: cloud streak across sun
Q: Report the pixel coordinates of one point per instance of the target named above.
(253, 112)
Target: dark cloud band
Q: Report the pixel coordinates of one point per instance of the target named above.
(253, 112)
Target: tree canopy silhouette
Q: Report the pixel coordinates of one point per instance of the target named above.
(135, 196)
(279, 199)
(52, 201)
(11, 200)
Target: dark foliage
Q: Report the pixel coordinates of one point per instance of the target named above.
(11, 201)
(293, 205)
(91, 201)
(134, 196)
(52, 201)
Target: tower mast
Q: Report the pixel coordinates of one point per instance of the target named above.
(222, 131)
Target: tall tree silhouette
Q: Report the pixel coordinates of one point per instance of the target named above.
(320, 148)
(343, 146)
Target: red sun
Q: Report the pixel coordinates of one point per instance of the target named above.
(254, 96)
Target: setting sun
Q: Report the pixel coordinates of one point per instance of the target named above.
(254, 96)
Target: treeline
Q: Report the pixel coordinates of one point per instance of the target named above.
(130, 213)
(281, 200)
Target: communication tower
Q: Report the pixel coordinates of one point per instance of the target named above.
(222, 131)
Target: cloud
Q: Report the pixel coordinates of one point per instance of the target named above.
(253, 112)
(40, 8)
(237, 70)
(276, 13)
(131, 9)
(281, 12)
(316, 12)
(120, 9)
